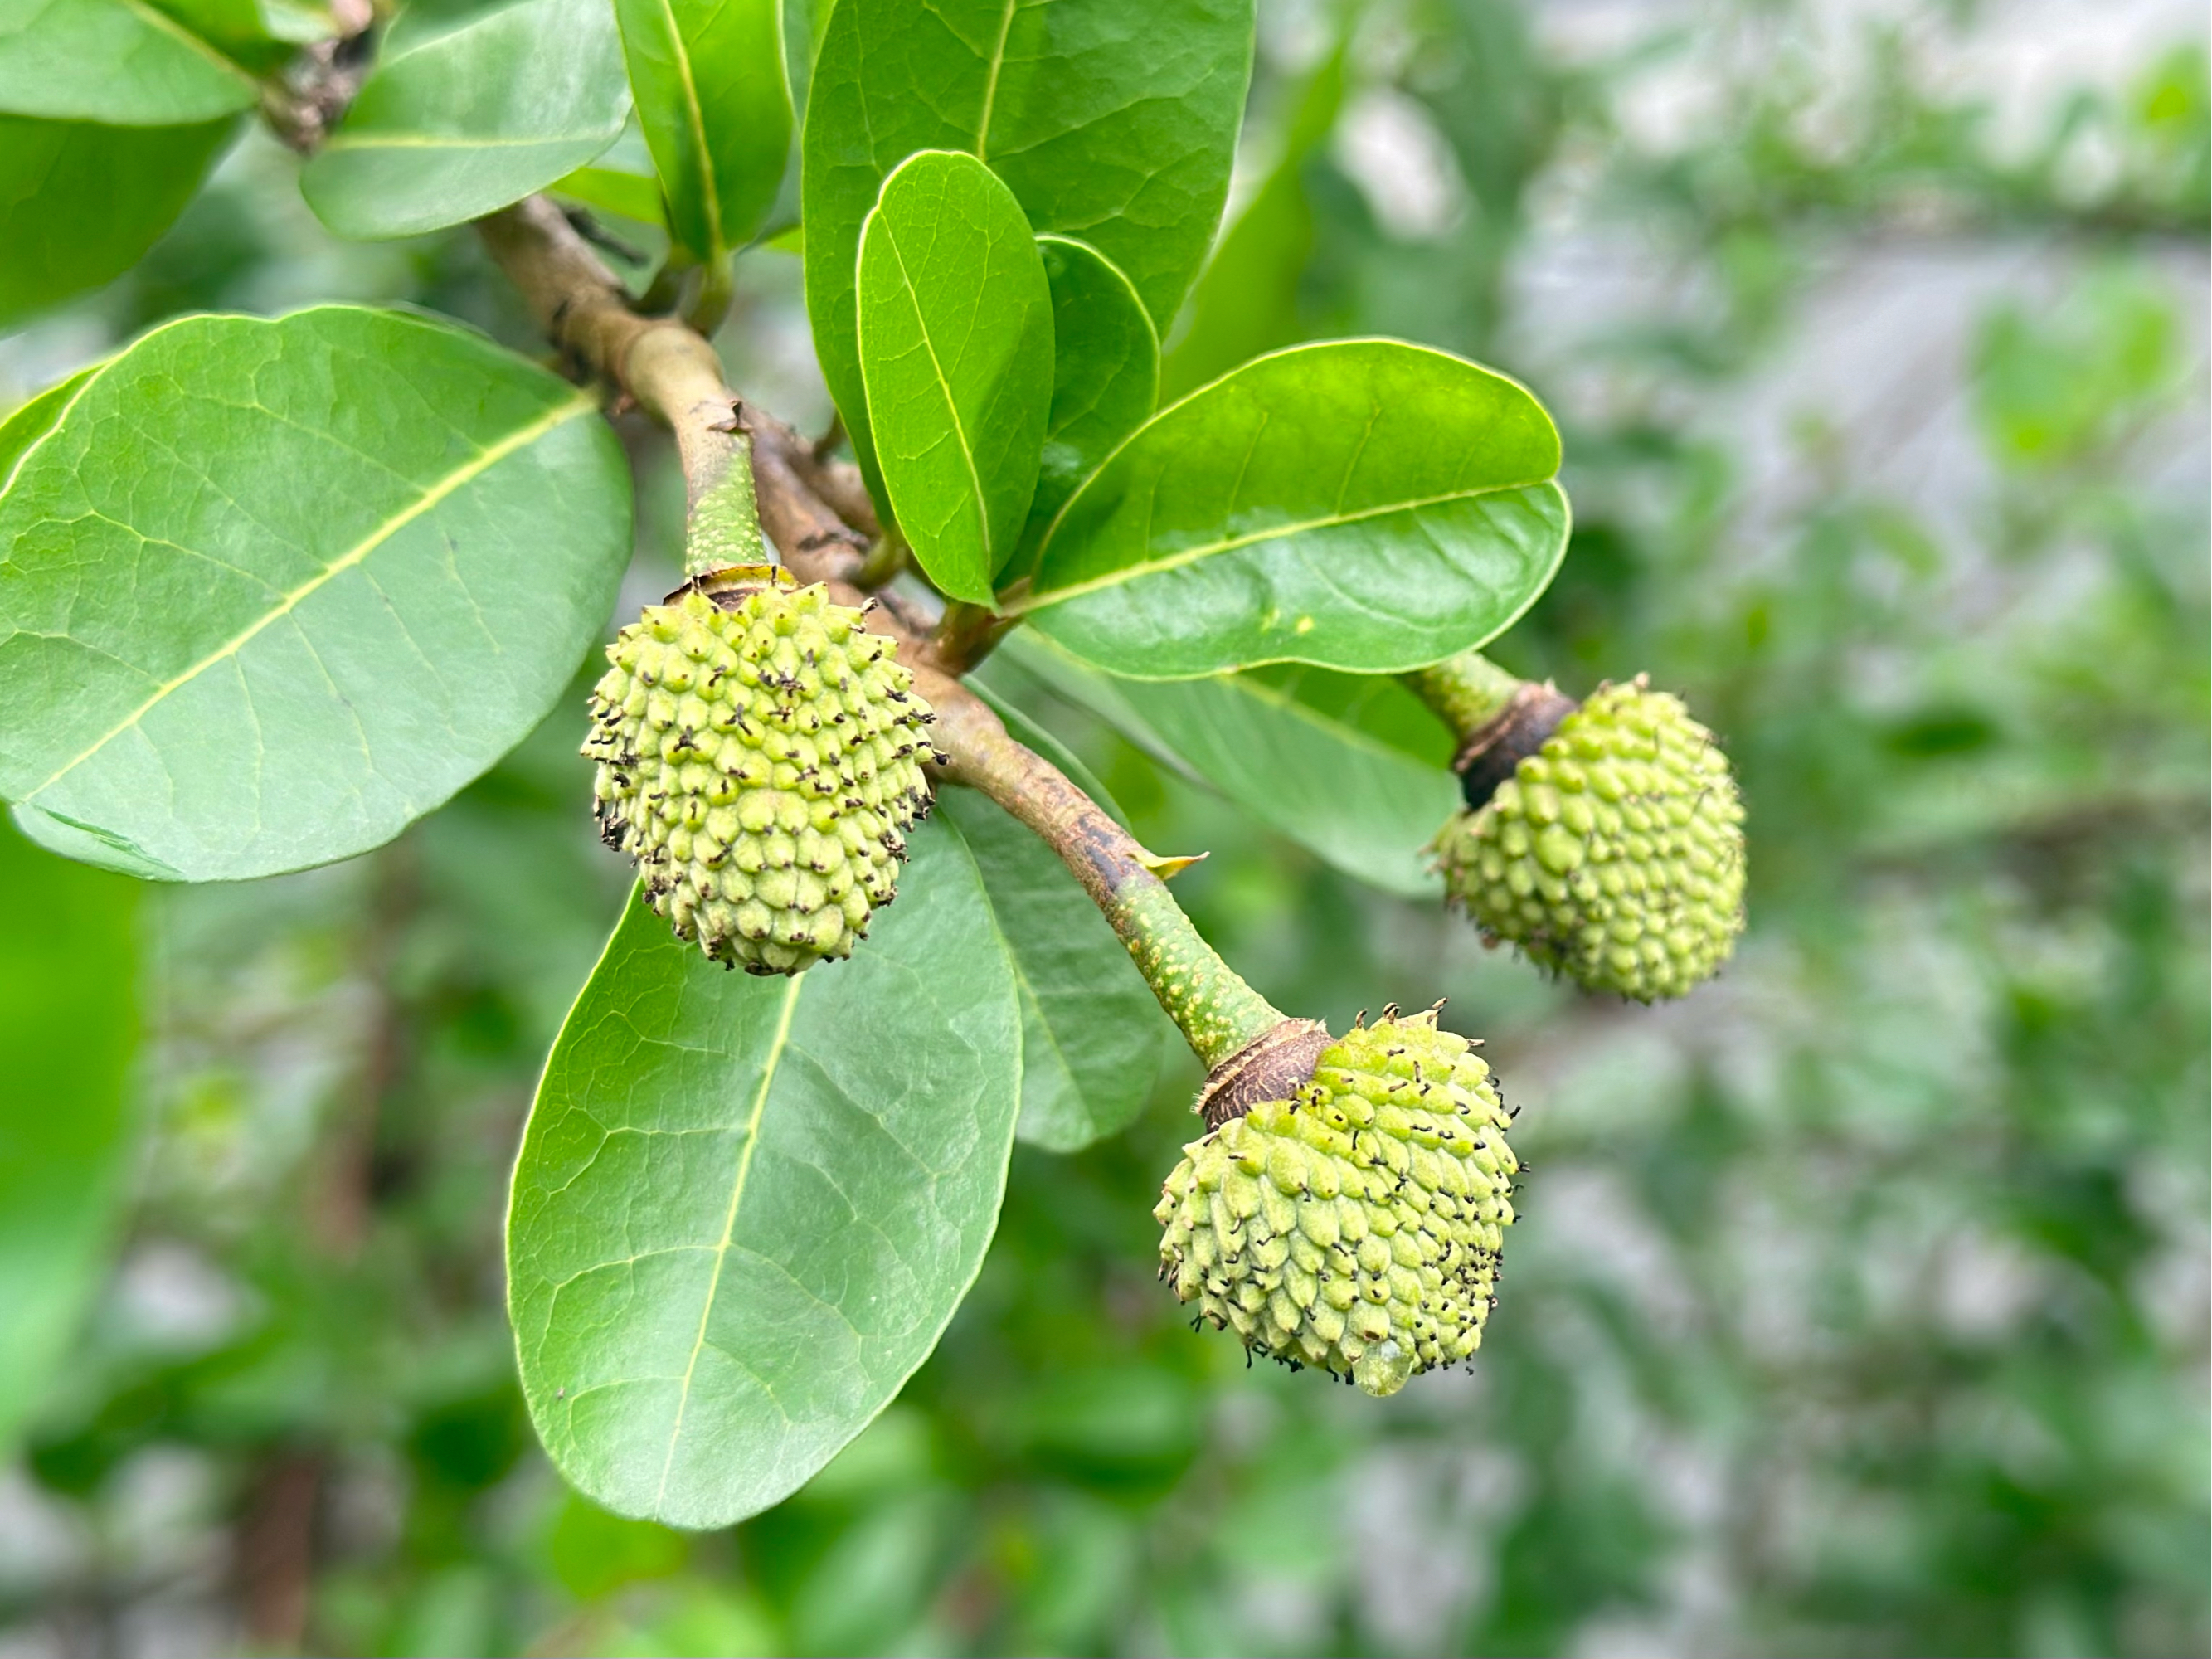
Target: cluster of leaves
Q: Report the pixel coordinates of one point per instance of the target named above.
(280, 587)
(1813, 1338)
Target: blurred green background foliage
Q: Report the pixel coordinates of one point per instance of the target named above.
(1860, 1303)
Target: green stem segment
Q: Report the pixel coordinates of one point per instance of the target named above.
(1468, 691)
(724, 525)
(1217, 1012)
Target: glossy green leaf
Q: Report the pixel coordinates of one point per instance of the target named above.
(273, 589)
(746, 1209)
(1105, 369)
(707, 77)
(459, 121)
(1319, 774)
(121, 62)
(956, 347)
(1246, 302)
(1362, 504)
(80, 203)
(1112, 120)
(69, 963)
(1090, 1030)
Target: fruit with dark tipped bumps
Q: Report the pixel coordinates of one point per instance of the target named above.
(1614, 854)
(760, 756)
(1354, 1226)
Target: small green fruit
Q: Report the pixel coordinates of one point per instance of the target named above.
(760, 753)
(1355, 1226)
(1614, 853)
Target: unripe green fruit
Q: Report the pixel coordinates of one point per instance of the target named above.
(760, 753)
(1614, 853)
(1355, 1226)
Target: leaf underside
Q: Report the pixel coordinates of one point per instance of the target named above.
(116, 62)
(1090, 1030)
(80, 203)
(1313, 775)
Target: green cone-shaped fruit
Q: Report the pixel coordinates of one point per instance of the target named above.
(1614, 854)
(1355, 1226)
(760, 753)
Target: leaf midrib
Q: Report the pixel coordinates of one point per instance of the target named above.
(710, 188)
(777, 1044)
(991, 84)
(482, 462)
(952, 404)
(159, 19)
(1039, 599)
(340, 142)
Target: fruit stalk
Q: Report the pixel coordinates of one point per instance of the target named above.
(1499, 720)
(1468, 691)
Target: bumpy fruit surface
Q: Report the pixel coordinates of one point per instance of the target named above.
(1355, 1226)
(1614, 854)
(760, 754)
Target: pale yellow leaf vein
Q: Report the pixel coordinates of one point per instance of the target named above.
(707, 186)
(159, 21)
(1191, 555)
(991, 83)
(951, 404)
(776, 1046)
(482, 462)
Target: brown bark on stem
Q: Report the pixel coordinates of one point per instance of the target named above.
(1217, 1012)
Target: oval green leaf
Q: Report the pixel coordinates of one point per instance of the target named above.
(275, 589)
(80, 203)
(1090, 1030)
(1319, 775)
(122, 62)
(707, 78)
(69, 969)
(1105, 370)
(1361, 504)
(1111, 120)
(956, 346)
(746, 1209)
(457, 124)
